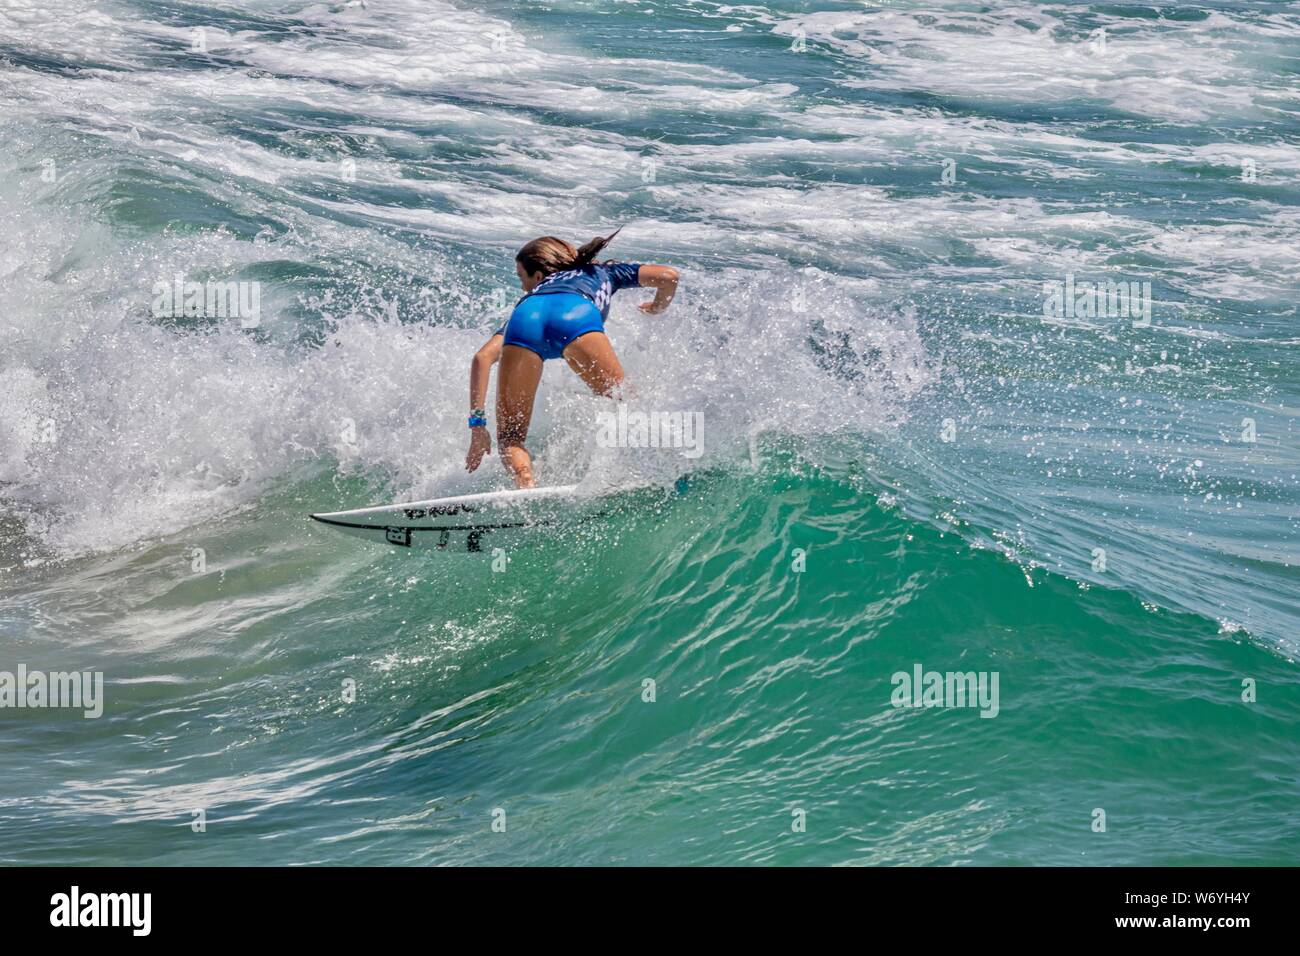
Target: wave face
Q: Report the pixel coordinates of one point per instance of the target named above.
(928, 446)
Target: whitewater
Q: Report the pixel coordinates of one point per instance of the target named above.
(932, 442)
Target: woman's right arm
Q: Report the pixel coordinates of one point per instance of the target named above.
(480, 369)
(663, 279)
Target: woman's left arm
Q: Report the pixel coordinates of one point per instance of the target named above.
(480, 442)
(663, 279)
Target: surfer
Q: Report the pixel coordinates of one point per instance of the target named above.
(562, 314)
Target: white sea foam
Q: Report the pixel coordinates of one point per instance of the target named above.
(158, 429)
(1184, 71)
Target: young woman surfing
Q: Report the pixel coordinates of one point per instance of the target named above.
(562, 314)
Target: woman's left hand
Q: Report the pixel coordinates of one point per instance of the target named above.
(480, 444)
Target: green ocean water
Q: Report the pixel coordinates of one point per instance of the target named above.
(906, 465)
(771, 695)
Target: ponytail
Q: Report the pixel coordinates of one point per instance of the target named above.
(548, 254)
(590, 250)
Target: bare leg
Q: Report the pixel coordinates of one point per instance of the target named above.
(517, 380)
(593, 359)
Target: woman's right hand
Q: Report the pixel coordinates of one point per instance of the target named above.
(663, 279)
(480, 444)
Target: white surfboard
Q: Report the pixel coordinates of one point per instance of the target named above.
(465, 523)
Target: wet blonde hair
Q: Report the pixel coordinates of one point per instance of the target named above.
(548, 254)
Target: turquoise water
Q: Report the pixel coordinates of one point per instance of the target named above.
(906, 462)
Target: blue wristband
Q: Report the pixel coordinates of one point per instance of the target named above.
(476, 421)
